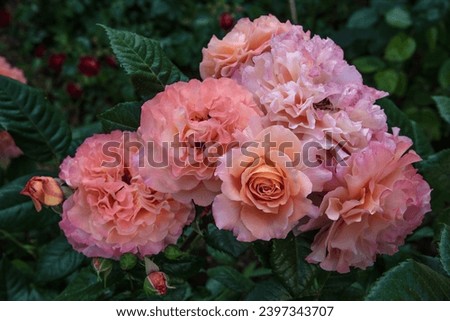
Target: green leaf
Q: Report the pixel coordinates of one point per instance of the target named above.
(363, 18)
(444, 75)
(289, 265)
(19, 286)
(144, 60)
(231, 278)
(443, 105)
(79, 134)
(428, 119)
(345, 285)
(58, 259)
(185, 266)
(20, 166)
(269, 290)
(444, 248)
(412, 281)
(225, 241)
(397, 118)
(17, 212)
(124, 116)
(436, 170)
(37, 127)
(399, 18)
(400, 48)
(84, 287)
(368, 64)
(387, 80)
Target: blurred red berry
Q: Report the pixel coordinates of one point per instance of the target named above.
(89, 66)
(56, 61)
(74, 90)
(111, 61)
(40, 50)
(226, 21)
(5, 18)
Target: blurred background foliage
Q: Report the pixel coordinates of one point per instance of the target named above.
(401, 47)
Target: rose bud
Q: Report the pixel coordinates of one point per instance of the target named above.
(43, 190)
(226, 21)
(40, 50)
(156, 283)
(111, 61)
(56, 61)
(102, 265)
(5, 18)
(128, 261)
(74, 90)
(89, 66)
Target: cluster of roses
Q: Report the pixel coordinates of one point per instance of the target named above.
(280, 136)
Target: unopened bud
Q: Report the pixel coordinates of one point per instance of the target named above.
(102, 265)
(128, 261)
(156, 283)
(43, 190)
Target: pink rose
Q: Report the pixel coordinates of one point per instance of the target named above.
(306, 85)
(9, 71)
(112, 211)
(247, 39)
(266, 186)
(381, 199)
(191, 125)
(8, 148)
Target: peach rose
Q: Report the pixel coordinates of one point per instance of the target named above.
(381, 199)
(112, 211)
(9, 71)
(43, 190)
(247, 39)
(8, 148)
(190, 125)
(265, 186)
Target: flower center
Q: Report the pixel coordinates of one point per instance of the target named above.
(324, 105)
(126, 177)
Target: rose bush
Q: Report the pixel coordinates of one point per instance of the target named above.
(281, 174)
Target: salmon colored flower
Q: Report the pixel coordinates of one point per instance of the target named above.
(9, 71)
(266, 186)
(247, 39)
(381, 199)
(191, 125)
(112, 211)
(43, 190)
(8, 148)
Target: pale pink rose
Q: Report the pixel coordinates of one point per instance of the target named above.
(306, 85)
(265, 186)
(381, 199)
(112, 211)
(247, 39)
(191, 125)
(8, 148)
(9, 71)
